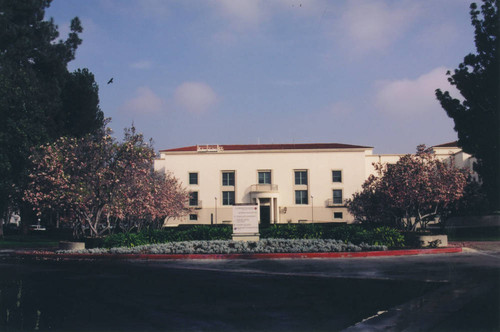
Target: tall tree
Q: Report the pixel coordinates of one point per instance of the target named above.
(40, 100)
(477, 117)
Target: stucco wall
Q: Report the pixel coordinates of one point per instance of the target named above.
(282, 165)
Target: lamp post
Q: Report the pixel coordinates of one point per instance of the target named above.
(215, 210)
(312, 208)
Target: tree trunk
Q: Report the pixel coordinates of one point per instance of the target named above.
(28, 217)
(1, 227)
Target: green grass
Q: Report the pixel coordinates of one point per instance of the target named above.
(27, 241)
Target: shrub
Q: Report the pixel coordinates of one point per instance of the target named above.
(181, 233)
(356, 234)
(292, 231)
(232, 247)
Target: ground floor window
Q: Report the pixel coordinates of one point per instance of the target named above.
(338, 215)
(301, 197)
(193, 217)
(228, 198)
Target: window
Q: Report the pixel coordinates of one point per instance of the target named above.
(228, 178)
(338, 215)
(228, 198)
(336, 176)
(193, 217)
(337, 196)
(193, 198)
(301, 177)
(264, 177)
(301, 197)
(193, 178)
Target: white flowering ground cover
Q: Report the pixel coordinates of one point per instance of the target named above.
(237, 247)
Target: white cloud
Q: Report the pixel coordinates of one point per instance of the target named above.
(340, 108)
(241, 11)
(195, 97)
(249, 13)
(145, 101)
(408, 97)
(375, 25)
(144, 64)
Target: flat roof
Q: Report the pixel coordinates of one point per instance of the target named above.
(254, 147)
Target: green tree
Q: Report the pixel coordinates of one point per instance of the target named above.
(477, 118)
(40, 100)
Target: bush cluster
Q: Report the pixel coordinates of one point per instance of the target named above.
(181, 233)
(355, 234)
(237, 247)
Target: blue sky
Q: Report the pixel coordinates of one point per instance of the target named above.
(273, 71)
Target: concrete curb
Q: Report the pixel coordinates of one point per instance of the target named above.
(362, 254)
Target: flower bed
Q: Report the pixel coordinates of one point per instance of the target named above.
(237, 247)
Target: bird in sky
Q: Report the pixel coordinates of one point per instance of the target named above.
(110, 81)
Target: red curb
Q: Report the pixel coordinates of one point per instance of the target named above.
(244, 256)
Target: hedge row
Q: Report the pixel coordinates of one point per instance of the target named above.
(181, 233)
(237, 247)
(356, 234)
(383, 236)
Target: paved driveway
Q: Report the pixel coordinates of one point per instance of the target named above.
(449, 292)
(469, 301)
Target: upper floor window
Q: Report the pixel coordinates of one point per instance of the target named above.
(228, 178)
(193, 178)
(228, 198)
(264, 177)
(336, 176)
(300, 177)
(337, 196)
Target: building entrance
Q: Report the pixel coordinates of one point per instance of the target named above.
(265, 214)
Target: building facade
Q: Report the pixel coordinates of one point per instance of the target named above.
(290, 183)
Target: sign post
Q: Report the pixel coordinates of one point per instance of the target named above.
(245, 222)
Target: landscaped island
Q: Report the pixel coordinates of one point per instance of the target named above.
(237, 247)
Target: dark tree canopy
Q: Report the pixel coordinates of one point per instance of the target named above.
(477, 118)
(40, 100)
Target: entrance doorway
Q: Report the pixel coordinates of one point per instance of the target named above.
(265, 215)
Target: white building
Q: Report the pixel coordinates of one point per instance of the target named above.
(290, 183)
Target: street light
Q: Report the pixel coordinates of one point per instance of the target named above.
(215, 210)
(312, 208)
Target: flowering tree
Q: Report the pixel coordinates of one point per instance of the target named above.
(102, 183)
(411, 193)
(145, 197)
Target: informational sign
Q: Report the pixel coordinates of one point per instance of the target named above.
(245, 219)
(209, 148)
